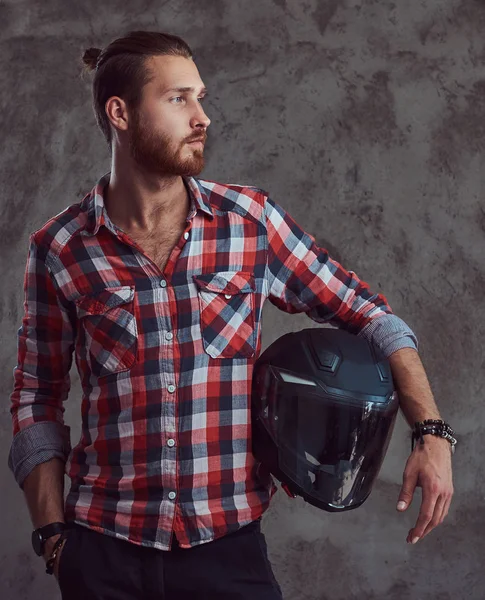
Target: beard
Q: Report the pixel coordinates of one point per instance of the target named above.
(154, 152)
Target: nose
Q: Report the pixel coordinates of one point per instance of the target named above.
(200, 118)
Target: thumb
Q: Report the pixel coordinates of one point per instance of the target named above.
(407, 491)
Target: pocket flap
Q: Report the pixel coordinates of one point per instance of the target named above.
(226, 282)
(105, 300)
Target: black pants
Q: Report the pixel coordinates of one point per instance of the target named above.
(94, 566)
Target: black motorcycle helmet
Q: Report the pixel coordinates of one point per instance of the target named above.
(323, 412)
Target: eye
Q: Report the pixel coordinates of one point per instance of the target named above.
(178, 98)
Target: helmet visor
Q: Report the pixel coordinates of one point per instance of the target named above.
(331, 445)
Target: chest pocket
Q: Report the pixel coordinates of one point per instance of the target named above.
(226, 302)
(108, 325)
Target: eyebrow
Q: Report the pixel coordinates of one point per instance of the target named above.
(185, 89)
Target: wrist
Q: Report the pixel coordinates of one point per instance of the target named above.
(41, 536)
(433, 429)
(434, 440)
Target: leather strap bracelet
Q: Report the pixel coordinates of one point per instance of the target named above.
(52, 559)
(433, 427)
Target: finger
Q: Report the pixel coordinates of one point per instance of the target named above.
(430, 497)
(436, 520)
(448, 497)
(58, 558)
(410, 480)
(446, 507)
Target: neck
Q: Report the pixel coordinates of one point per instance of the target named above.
(139, 201)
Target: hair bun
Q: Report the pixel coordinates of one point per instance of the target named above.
(90, 57)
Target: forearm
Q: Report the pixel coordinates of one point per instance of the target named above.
(415, 396)
(44, 493)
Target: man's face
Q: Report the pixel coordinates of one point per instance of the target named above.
(169, 117)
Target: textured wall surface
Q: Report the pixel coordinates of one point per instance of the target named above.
(366, 121)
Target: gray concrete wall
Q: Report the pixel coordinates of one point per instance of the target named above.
(366, 121)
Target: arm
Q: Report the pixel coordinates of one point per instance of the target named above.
(41, 383)
(303, 278)
(41, 442)
(44, 492)
(415, 396)
(429, 466)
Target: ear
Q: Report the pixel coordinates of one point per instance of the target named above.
(117, 113)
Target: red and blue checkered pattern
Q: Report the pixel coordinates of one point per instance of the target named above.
(165, 359)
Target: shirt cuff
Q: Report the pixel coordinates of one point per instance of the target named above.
(389, 333)
(37, 444)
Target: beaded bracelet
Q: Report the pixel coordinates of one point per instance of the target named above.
(433, 427)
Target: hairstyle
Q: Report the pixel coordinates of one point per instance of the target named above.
(120, 69)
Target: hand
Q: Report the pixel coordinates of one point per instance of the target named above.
(57, 561)
(428, 467)
(49, 547)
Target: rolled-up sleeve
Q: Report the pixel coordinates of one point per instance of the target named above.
(303, 278)
(41, 376)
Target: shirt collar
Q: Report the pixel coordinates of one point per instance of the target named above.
(97, 215)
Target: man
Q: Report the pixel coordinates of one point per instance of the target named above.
(156, 283)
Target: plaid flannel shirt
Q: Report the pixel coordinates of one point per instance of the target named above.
(165, 359)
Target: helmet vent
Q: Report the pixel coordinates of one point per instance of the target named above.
(294, 379)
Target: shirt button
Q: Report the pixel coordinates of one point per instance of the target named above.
(169, 336)
(172, 495)
(227, 296)
(171, 443)
(186, 235)
(171, 388)
(163, 283)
